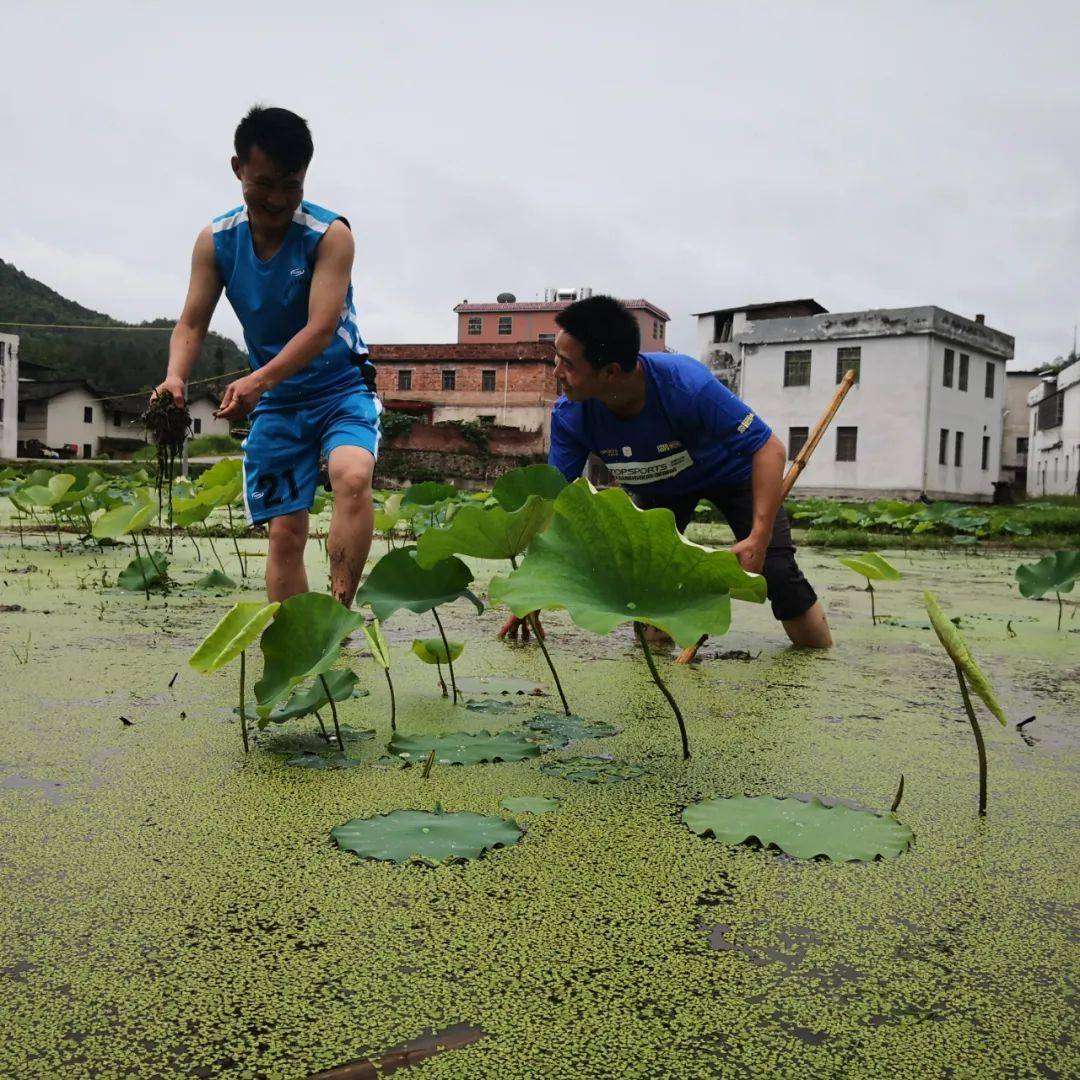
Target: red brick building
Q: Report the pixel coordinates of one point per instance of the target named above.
(508, 320)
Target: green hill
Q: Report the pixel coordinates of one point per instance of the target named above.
(112, 362)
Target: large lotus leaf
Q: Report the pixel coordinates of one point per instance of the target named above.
(428, 494)
(190, 511)
(593, 769)
(607, 562)
(380, 650)
(304, 701)
(428, 837)
(802, 829)
(485, 534)
(465, 748)
(499, 684)
(227, 474)
(215, 580)
(304, 641)
(49, 494)
(143, 572)
(513, 488)
(872, 566)
(570, 728)
(529, 804)
(242, 624)
(398, 581)
(957, 648)
(1055, 573)
(433, 651)
(127, 518)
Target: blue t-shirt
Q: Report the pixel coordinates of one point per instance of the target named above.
(692, 434)
(270, 298)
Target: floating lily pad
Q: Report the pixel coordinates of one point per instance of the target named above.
(529, 804)
(498, 684)
(403, 835)
(334, 760)
(215, 580)
(570, 728)
(154, 568)
(803, 830)
(593, 770)
(492, 705)
(465, 748)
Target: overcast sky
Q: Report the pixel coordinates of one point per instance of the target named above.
(699, 154)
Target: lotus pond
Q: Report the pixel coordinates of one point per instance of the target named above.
(174, 907)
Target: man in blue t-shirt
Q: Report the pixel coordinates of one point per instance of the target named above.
(671, 434)
(285, 264)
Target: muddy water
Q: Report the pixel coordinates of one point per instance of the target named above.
(173, 909)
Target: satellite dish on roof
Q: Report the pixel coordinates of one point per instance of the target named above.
(506, 298)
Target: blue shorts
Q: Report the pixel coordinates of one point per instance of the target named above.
(282, 450)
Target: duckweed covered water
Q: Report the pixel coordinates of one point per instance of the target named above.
(174, 909)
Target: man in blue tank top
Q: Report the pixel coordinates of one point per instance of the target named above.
(285, 264)
(672, 434)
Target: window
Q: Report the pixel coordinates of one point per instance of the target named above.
(196, 426)
(486, 419)
(961, 382)
(547, 337)
(848, 358)
(404, 379)
(476, 324)
(87, 450)
(796, 440)
(449, 380)
(943, 447)
(506, 324)
(117, 420)
(846, 440)
(88, 414)
(487, 380)
(21, 414)
(1051, 411)
(989, 385)
(958, 450)
(946, 377)
(986, 452)
(1021, 444)
(797, 367)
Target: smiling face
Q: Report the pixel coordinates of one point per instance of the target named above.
(271, 196)
(580, 380)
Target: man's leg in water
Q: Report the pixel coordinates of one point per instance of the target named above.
(353, 519)
(285, 573)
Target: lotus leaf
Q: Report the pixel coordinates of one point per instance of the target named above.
(304, 641)
(804, 830)
(593, 769)
(1056, 573)
(215, 580)
(570, 728)
(432, 650)
(334, 760)
(427, 837)
(242, 624)
(485, 534)
(143, 572)
(607, 562)
(306, 700)
(465, 748)
(126, 518)
(491, 706)
(957, 648)
(428, 494)
(228, 473)
(513, 489)
(398, 581)
(499, 684)
(49, 494)
(377, 643)
(188, 512)
(872, 566)
(529, 804)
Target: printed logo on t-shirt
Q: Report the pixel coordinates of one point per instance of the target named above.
(747, 420)
(649, 472)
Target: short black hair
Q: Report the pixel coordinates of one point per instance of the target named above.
(608, 332)
(282, 135)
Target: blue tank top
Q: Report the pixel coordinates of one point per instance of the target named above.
(270, 299)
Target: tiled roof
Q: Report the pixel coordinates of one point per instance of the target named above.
(46, 391)
(751, 308)
(501, 351)
(550, 305)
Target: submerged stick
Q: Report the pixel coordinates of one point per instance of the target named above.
(979, 744)
(449, 662)
(639, 630)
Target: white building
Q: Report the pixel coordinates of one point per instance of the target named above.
(1054, 433)
(1015, 435)
(924, 417)
(9, 394)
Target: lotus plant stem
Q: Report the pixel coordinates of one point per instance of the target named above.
(534, 622)
(1058, 595)
(60, 539)
(232, 533)
(428, 762)
(979, 744)
(449, 661)
(333, 713)
(393, 702)
(873, 611)
(243, 715)
(639, 629)
(212, 548)
(442, 684)
(322, 727)
(198, 553)
(142, 566)
(899, 795)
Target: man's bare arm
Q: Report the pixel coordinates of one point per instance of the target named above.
(329, 284)
(767, 478)
(204, 290)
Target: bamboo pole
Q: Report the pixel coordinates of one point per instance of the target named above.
(794, 472)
